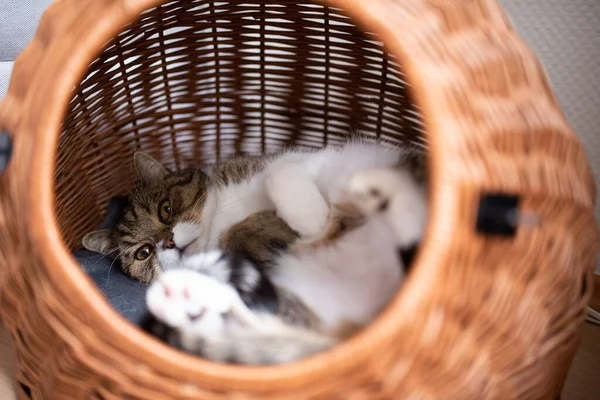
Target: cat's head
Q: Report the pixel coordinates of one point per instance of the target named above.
(162, 218)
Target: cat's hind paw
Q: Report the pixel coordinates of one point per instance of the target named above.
(395, 195)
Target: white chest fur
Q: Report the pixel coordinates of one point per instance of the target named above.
(228, 205)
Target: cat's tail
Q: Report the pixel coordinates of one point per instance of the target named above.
(251, 347)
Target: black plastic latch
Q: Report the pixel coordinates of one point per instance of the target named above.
(498, 214)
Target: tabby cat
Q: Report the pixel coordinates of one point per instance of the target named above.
(164, 215)
(271, 305)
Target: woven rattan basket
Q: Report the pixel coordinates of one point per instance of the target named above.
(481, 316)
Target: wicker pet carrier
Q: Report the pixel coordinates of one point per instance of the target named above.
(489, 312)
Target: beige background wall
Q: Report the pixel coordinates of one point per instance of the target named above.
(566, 36)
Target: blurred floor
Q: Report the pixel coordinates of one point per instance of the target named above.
(583, 382)
(6, 366)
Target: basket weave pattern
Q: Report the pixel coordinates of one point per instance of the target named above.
(479, 317)
(191, 82)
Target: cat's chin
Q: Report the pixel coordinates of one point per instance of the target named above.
(169, 259)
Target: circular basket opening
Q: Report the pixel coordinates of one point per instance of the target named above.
(195, 82)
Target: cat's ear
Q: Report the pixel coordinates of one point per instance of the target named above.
(148, 168)
(100, 241)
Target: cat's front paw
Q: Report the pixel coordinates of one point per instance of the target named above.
(298, 200)
(195, 303)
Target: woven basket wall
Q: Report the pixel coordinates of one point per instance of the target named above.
(196, 81)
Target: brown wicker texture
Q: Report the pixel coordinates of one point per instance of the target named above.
(479, 318)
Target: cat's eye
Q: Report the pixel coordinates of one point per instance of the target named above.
(144, 252)
(165, 211)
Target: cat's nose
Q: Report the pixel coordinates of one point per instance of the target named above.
(169, 243)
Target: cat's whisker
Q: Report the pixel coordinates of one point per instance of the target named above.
(112, 263)
(103, 256)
